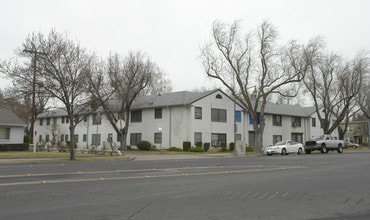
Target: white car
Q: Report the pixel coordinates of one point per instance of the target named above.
(284, 148)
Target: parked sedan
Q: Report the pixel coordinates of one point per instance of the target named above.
(284, 148)
(350, 144)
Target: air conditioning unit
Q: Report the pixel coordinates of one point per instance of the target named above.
(216, 144)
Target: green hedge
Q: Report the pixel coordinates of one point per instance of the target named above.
(196, 149)
(207, 146)
(186, 145)
(144, 145)
(14, 147)
(174, 149)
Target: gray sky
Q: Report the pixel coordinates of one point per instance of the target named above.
(171, 31)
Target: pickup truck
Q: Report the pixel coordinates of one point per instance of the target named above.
(324, 143)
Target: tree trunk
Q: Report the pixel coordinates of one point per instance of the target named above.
(72, 142)
(258, 136)
(341, 133)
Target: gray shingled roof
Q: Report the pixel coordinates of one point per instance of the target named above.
(53, 113)
(182, 98)
(284, 109)
(186, 98)
(8, 117)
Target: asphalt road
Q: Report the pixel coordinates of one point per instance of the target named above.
(317, 186)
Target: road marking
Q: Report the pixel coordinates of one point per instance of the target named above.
(254, 169)
(271, 197)
(261, 197)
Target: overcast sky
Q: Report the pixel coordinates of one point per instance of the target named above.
(171, 31)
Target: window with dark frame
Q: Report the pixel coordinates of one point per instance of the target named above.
(313, 122)
(218, 139)
(134, 138)
(4, 133)
(158, 113)
(296, 121)
(276, 138)
(158, 138)
(96, 119)
(298, 137)
(238, 116)
(218, 115)
(95, 139)
(198, 112)
(136, 116)
(197, 137)
(276, 120)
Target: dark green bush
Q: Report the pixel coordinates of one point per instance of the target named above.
(144, 145)
(14, 147)
(249, 149)
(207, 146)
(199, 144)
(174, 149)
(232, 146)
(196, 149)
(186, 145)
(26, 139)
(223, 146)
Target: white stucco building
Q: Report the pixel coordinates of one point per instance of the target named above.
(170, 119)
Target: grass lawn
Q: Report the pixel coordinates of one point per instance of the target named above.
(39, 157)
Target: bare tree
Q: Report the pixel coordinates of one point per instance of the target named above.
(253, 62)
(63, 72)
(334, 85)
(364, 98)
(119, 81)
(19, 95)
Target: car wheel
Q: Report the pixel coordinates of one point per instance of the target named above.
(283, 151)
(307, 151)
(324, 150)
(340, 149)
(300, 151)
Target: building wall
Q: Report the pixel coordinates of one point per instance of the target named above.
(16, 135)
(178, 124)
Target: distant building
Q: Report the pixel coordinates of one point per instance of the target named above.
(357, 132)
(170, 119)
(11, 127)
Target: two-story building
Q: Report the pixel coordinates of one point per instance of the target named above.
(168, 120)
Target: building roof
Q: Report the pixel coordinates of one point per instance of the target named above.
(292, 110)
(183, 98)
(53, 113)
(187, 98)
(9, 118)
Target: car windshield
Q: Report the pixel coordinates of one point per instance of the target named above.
(319, 138)
(280, 143)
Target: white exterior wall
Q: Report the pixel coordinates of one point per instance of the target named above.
(179, 124)
(207, 127)
(285, 130)
(16, 135)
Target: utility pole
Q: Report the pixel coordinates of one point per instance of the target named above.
(33, 116)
